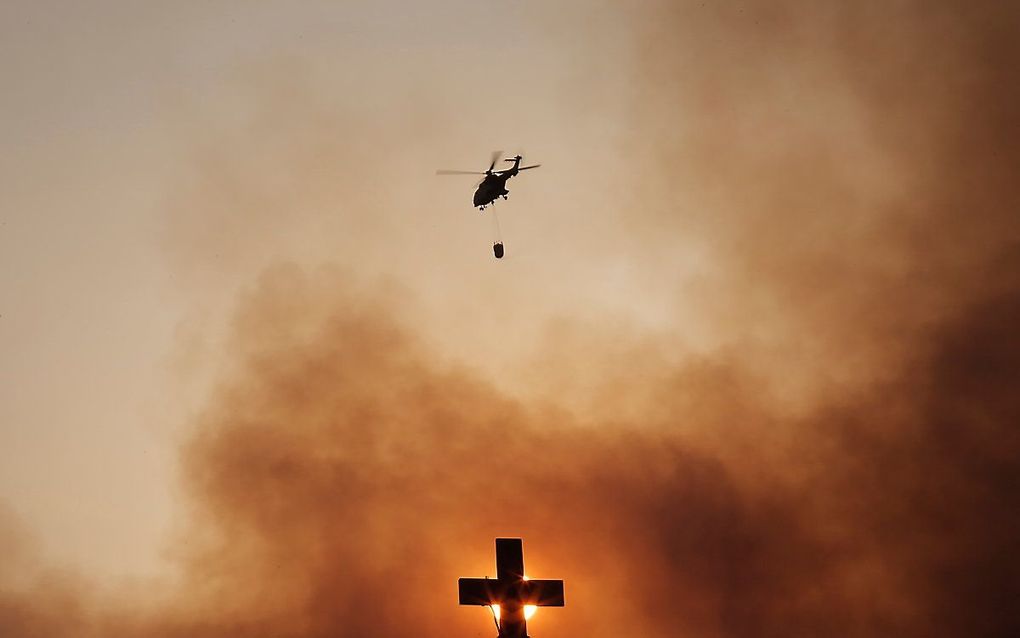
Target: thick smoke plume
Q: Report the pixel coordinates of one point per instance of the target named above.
(843, 460)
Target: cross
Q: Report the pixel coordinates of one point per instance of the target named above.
(511, 589)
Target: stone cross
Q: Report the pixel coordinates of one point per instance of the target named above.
(511, 589)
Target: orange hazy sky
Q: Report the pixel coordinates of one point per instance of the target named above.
(754, 324)
(159, 157)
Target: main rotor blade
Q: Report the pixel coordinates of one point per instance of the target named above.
(446, 172)
(524, 168)
(495, 156)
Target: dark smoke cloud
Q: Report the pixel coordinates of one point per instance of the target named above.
(342, 483)
(846, 464)
(850, 168)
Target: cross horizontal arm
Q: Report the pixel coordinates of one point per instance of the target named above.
(486, 591)
(543, 593)
(480, 591)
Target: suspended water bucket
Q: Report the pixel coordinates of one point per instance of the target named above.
(497, 250)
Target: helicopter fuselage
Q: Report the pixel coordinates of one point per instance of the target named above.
(492, 188)
(494, 185)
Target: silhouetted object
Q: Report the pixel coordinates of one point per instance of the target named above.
(511, 589)
(493, 185)
(497, 250)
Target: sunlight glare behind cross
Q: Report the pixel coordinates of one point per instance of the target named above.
(529, 611)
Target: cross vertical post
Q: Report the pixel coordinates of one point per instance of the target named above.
(512, 590)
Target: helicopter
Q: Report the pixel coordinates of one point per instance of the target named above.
(491, 188)
(493, 185)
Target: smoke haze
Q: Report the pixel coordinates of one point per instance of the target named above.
(751, 373)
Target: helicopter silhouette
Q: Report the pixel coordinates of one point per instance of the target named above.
(493, 185)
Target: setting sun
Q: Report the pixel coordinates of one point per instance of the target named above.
(529, 611)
